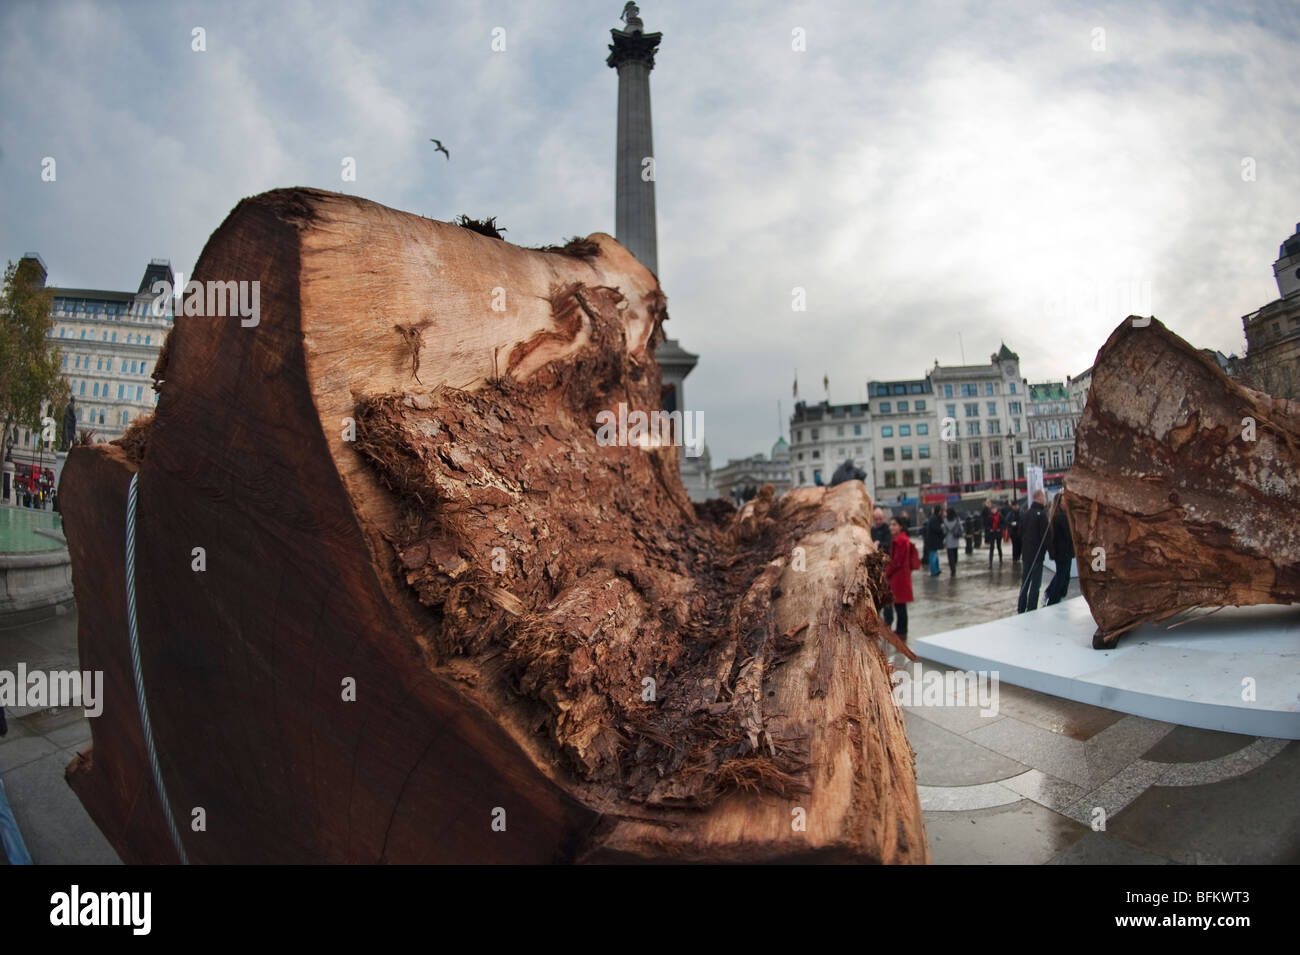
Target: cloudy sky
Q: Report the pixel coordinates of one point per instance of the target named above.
(936, 176)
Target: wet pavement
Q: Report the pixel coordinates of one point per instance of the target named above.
(1035, 779)
(1041, 780)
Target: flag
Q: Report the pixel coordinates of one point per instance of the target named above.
(826, 383)
(796, 384)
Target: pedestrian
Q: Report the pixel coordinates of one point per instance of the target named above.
(884, 543)
(992, 532)
(1013, 529)
(903, 559)
(11, 839)
(1033, 537)
(952, 539)
(1061, 548)
(934, 538)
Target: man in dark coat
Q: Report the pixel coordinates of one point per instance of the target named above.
(1033, 538)
(1061, 547)
(1013, 519)
(884, 543)
(934, 534)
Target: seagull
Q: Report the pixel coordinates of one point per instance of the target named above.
(440, 147)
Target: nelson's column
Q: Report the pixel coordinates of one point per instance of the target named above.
(633, 54)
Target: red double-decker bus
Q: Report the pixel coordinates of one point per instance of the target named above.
(974, 493)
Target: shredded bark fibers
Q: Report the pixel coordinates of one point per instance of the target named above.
(487, 227)
(136, 439)
(641, 635)
(577, 247)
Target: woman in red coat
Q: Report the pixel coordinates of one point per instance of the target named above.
(901, 563)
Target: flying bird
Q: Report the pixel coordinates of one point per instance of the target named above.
(440, 147)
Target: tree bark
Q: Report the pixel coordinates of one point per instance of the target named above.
(401, 486)
(1184, 488)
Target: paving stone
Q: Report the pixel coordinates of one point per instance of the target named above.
(1102, 848)
(945, 759)
(1079, 721)
(1035, 747)
(1249, 820)
(54, 824)
(14, 752)
(1023, 833)
(1187, 744)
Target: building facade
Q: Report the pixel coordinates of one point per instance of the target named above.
(905, 437)
(981, 413)
(1053, 418)
(1272, 359)
(110, 342)
(823, 436)
(734, 480)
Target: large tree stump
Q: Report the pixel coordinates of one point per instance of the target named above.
(397, 481)
(1185, 486)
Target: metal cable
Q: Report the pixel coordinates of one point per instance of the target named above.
(139, 675)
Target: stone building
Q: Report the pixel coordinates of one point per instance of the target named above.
(981, 418)
(1272, 359)
(110, 341)
(905, 433)
(738, 474)
(823, 436)
(1053, 418)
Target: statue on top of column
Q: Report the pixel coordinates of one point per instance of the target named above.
(631, 16)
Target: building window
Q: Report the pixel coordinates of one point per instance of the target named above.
(922, 451)
(1056, 457)
(923, 428)
(814, 434)
(887, 431)
(977, 472)
(1053, 431)
(993, 409)
(857, 430)
(1069, 457)
(954, 451)
(889, 454)
(954, 474)
(1042, 459)
(904, 430)
(995, 471)
(139, 392)
(839, 431)
(925, 476)
(990, 388)
(974, 451)
(884, 407)
(907, 454)
(839, 452)
(908, 476)
(920, 406)
(899, 390)
(1011, 387)
(799, 457)
(816, 455)
(83, 388)
(914, 388)
(995, 427)
(95, 392)
(972, 409)
(972, 429)
(891, 479)
(970, 391)
(947, 391)
(817, 476)
(950, 410)
(120, 389)
(1013, 407)
(802, 479)
(902, 407)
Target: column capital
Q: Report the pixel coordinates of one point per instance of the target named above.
(633, 47)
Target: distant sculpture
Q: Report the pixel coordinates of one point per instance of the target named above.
(847, 471)
(69, 425)
(632, 17)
